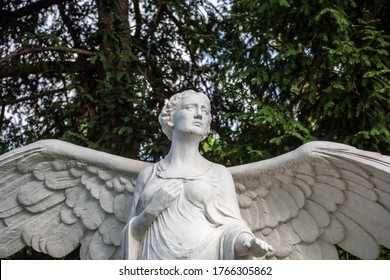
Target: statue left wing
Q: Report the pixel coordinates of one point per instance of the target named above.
(322, 194)
(55, 196)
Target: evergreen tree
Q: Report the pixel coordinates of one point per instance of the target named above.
(279, 73)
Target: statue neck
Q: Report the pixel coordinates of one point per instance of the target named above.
(184, 152)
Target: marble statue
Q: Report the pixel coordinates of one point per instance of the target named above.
(55, 196)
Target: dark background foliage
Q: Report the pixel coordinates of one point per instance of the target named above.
(279, 73)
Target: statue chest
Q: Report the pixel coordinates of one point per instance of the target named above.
(198, 192)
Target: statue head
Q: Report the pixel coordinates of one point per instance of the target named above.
(166, 117)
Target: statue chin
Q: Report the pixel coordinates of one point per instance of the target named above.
(194, 132)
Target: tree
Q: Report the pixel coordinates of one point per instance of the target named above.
(95, 73)
(306, 70)
(279, 73)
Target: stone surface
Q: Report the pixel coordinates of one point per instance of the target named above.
(55, 196)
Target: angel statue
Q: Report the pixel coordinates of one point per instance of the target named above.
(55, 196)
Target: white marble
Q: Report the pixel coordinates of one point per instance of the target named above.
(185, 206)
(55, 196)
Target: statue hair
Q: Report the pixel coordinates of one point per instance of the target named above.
(168, 111)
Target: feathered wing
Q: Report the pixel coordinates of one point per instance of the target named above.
(55, 196)
(321, 195)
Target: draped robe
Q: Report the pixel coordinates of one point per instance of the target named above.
(203, 222)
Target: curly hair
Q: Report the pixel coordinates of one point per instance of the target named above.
(168, 111)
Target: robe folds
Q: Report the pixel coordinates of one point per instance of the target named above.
(203, 222)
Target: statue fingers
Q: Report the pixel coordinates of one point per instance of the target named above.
(248, 244)
(175, 189)
(265, 246)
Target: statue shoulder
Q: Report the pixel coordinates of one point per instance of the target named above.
(145, 174)
(221, 170)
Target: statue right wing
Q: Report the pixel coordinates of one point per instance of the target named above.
(320, 195)
(55, 196)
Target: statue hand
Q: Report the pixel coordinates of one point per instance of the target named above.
(257, 247)
(247, 244)
(164, 197)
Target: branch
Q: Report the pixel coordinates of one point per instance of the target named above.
(138, 19)
(46, 93)
(156, 19)
(47, 67)
(183, 33)
(68, 23)
(30, 9)
(44, 49)
(2, 114)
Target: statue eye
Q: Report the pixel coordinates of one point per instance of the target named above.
(190, 107)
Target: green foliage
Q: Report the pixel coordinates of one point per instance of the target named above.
(326, 63)
(262, 131)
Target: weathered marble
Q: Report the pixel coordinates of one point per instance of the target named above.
(55, 196)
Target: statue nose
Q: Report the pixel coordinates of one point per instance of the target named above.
(198, 116)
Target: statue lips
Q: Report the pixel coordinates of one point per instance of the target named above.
(198, 123)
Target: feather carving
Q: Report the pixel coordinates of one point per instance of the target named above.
(55, 196)
(341, 196)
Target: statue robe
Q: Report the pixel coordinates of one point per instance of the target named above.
(203, 222)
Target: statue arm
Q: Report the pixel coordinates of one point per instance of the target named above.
(228, 192)
(134, 228)
(246, 243)
(140, 222)
(169, 190)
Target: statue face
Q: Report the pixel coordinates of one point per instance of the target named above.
(192, 115)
